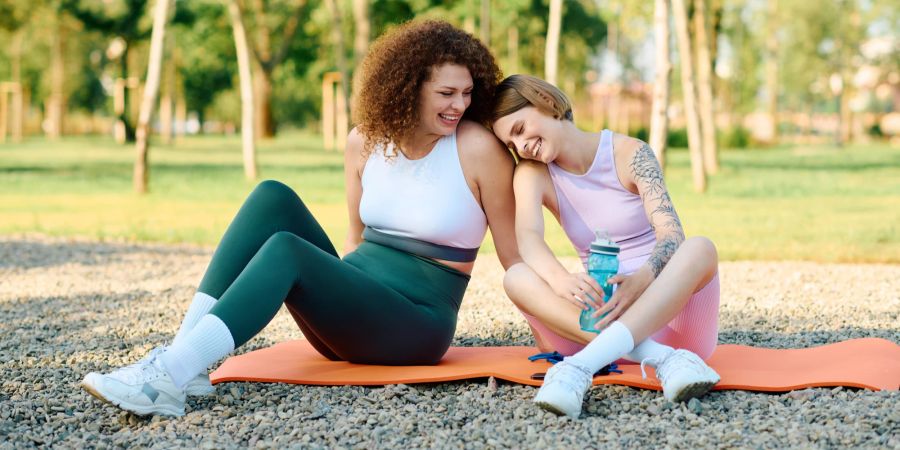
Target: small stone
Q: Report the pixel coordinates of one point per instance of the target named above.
(695, 406)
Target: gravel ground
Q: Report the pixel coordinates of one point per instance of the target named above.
(69, 307)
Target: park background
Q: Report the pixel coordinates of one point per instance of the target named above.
(786, 148)
(123, 157)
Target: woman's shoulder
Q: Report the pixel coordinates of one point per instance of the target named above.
(626, 146)
(475, 141)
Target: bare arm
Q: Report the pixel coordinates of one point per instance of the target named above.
(647, 176)
(530, 182)
(493, 166)
(353, 164)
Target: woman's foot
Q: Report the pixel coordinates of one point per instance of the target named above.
(683, 375)
(142, 388)
(564, 387)
(199, 386)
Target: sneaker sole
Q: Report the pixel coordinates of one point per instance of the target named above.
(693, 390)
(136, 410)
(199, 391)
(552, 408)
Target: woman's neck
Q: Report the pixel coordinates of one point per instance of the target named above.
(418, 145)
(578, 149)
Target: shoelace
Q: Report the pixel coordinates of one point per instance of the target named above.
(139, 370)
(555, 357)
(672, 359)
(576, 381)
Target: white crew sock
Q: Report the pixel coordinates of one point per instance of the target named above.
(613, 342)
(200, 305)
(209, 341)
(649, 349)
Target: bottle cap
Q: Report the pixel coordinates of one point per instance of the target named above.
(603, 244)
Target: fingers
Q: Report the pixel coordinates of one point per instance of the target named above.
(578, 301)
(611, 317)
(615, 279)
(593, 284)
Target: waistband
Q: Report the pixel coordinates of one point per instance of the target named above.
(420, 247)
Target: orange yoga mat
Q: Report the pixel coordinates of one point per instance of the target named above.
(862, 363)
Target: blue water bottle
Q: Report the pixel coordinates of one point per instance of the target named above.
(602, 263)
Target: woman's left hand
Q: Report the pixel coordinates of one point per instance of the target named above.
(630, 288)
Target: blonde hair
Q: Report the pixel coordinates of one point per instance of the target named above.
(521, 91)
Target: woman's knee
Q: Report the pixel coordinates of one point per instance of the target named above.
(702, 249)
(518, 282)
(514, 277)
(275, 193)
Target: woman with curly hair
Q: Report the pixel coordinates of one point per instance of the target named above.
(424, 180)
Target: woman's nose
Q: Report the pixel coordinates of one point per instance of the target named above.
(459, 102)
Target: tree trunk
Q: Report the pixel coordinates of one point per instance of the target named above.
(485, 23)
(262, 79)
(363, 29)
(167, 100)
(128, 129)
(659, 115)
(154, 69)
(469, 19)
(56, 104)
(704, 89)
(262, 97)
(690, 95)
(771, 71)
(18, 106)
(337, 37)
(551, 51)
(247, 104)
(513, 47)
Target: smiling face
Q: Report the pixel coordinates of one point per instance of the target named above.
(531, 134)
(444, 98)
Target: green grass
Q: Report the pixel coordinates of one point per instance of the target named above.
(815, 203)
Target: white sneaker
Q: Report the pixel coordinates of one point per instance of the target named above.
(198, 386)
(683, 375)
(564, 386)
(142, 388)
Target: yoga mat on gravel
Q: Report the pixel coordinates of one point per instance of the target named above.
(868, 363)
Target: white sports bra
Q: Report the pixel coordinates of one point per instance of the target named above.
(426, 199)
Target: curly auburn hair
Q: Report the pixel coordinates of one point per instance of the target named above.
(386, 107)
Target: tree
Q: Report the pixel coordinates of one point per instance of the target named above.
(363, 29)
(14, 17)
(690, 95)
(268, 57)
(771, 71)
(659, 115)
(551, 52)
(247, 104)
(485, 22)
(121, 19)
(337, 37)
(704, 89)
(151, 89)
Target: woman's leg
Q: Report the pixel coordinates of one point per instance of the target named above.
(270, 208)
(531, 294)
(358, 318)
(690, 269)
(683, 374)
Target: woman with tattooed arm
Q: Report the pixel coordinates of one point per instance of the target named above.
(664, 311)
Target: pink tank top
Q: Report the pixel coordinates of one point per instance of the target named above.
(598, 201)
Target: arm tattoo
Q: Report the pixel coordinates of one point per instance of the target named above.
(648, 176)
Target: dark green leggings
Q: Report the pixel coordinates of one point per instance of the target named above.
(376, 306)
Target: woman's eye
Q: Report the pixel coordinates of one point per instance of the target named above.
(446, 94)
(467, 94)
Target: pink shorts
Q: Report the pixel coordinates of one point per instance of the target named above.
(695, 328)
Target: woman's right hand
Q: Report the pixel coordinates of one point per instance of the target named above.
(579, 288)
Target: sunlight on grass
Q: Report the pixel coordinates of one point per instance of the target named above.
(807, 203)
